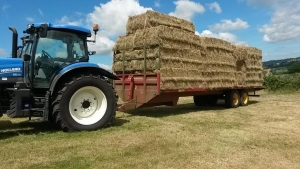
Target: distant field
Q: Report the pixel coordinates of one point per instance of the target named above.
(266, 134)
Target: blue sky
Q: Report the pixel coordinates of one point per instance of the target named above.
(271, 25)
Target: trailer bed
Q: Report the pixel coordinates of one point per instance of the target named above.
(143, 90)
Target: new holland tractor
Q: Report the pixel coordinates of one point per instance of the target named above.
(51, 78)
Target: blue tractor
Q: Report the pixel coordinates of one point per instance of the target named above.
(49, 76)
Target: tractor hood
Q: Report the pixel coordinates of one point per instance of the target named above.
(11, 67)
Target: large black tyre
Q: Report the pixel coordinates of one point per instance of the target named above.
(206, 100)
(244, 98)
(66, 109)
(232, 99)
(212, 100)
(199, 100)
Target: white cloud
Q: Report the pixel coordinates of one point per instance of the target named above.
(29, 19)
(222, 35)
(41, 12)
(267, 3)
(102, 46)
(215, 6)
(111, 18)
(104, 66)
(284, 24)
(2, 52)
(228, 25)
(68, 20)
(4, 7)
(156, 3)
(187, 9)
(113, 15)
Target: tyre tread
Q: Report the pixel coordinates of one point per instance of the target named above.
(55, 106)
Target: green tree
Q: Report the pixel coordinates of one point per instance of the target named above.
(294, 68)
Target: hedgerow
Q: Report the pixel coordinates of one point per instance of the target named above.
(289, 82)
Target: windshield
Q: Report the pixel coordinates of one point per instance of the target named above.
(63, 45)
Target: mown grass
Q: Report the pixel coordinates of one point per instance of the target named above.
(265, 134)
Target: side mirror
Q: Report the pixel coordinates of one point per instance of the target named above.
(92, 52)
(43, 30)
(26, 57)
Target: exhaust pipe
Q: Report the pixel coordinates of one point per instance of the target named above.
(14, 42)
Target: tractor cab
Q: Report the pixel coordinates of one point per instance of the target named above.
(49, 48)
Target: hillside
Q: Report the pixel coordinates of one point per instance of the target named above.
(280, 66)
(280, 63)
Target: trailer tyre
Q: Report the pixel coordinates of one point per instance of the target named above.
(212, 100)
(206, 100)
(232, 99)
(244, 98)
(85, 103)
(199, 100)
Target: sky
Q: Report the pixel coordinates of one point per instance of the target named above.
(270, 25)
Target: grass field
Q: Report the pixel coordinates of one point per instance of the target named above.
(265, 134)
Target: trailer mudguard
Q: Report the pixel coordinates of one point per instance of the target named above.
(77, 68)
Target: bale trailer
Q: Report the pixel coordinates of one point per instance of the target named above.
(141, 90)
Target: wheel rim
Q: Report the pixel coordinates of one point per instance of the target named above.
(235, 99)
(245, 98)
(88, 105)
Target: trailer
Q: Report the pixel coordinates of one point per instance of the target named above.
(144, 90)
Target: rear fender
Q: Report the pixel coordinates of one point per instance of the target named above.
(78, 68)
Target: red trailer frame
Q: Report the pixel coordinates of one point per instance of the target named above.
(143, 90)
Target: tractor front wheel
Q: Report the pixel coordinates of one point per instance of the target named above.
(85, 103)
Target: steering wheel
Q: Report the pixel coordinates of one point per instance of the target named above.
(46, 54)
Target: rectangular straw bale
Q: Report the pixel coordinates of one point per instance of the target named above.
(196, 54)
(153, 19)
(221, 45)
(165, 62)
(240, 52)
(167, 37)
(251, 56)
(192, 82)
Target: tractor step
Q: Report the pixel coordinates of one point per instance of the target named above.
(37, 112)
(37, 120)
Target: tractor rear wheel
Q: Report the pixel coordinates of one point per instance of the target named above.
(84, 103)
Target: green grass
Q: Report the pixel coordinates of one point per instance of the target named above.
(286, 83)
(265, 134)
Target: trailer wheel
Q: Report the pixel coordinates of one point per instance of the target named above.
(199, 100)
(244, 98)
(232, 99)
(85, 103)
(212, 100)
(206, 100)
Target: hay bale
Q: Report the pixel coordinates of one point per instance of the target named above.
(167, 37)
(156, 52)
(239, 52)
(217, 44)
(186, 60)
(252, 61)
(152, 19)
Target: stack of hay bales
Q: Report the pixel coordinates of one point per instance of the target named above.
(156, 42)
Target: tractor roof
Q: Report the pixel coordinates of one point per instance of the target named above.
(66, 27)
